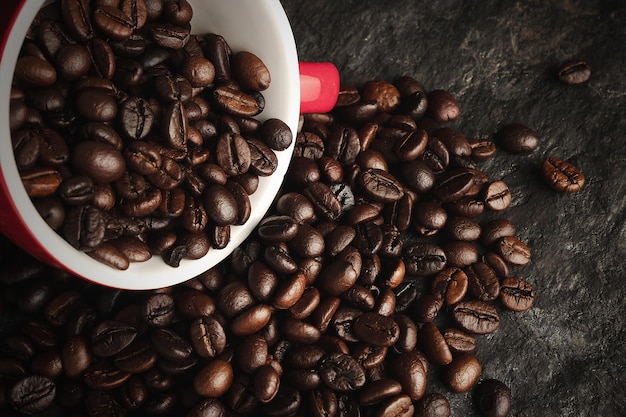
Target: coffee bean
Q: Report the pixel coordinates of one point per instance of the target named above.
(451, 284)
(476, 316)
(562, 176)
(409, 371)
(483, 281)
(513, 250)
(423, 258)
(517, 139)
(432, 405)
(463, 372)
(341, 372)
(380, 186)
(112, 22)
(376, 329)
(516, 294)
(575, 71)
(497, 196)
(32, 394)
(35, 71)
(493, 398)
(458, 340)
(442, 106)
(213, 379)
(434, 344)
(110, 337)
(250, 72)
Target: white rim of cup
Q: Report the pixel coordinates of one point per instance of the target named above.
(284, 90)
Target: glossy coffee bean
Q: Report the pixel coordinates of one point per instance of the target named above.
(213, 379)
(483, 281)
(497, 196)
(341, 372)
(442, 106)
(513, 250)
(493, 398)
(562, 176)
(476, 317)
(31, 394)
(463, 372)
(376, 329)
(517, 139)
(409, 371)
(434, 344)
(516, 294)
(423, 258)
(432, 405)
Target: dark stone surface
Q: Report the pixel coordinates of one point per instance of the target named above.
(567, 355)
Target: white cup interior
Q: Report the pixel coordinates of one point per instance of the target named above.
(258, 26)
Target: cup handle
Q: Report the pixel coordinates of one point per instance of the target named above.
(319, 87)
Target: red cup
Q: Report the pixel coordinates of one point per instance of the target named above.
(258, 26)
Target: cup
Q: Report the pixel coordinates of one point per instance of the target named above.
(258, 26)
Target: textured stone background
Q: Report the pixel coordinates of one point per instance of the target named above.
(567, 355)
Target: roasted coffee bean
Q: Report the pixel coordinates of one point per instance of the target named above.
(476, 316)
(35, 71)
(513, 250)
(432, 404)
(483, 281)
(408, 370)
(482, 148)
(426, 307)
(72, 62)
(423, 258)
(458, 340)
(380, 186)
(324, 200)
(251, 321)
(575, 71)
(434, 344)
(455, 141)
(341, 372)
(517, 139)
(496, 229)
(460, 253)
(337, 277)
(378, 391)
(497, 196)
(263, 160)
(493, 398)
(110, 337)
(207, 337)
(462, 228)
(428, 218)
(158, 310)
(286, 402)
(454, 185)
(213, 379)
(236, 102)
(516, 294)
(31, 394)
(276, 134)
(113, 22)
(451, 285)
(250, 72)
(40, 181)
(76, 16)
(463, 372)
(298, 331)
(170, 36)
(170, 345)
(104, 376)
(562, 176)
(442, 106)
(136, 118)
(137, 357)
(376, 329)
(343, 144)
(289, 291)
(76, 356)
(369, 238)
(496, 263)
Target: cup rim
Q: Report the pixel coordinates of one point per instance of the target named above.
(19, 219)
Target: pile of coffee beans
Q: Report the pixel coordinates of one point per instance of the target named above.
(382, 262)
(134, 137)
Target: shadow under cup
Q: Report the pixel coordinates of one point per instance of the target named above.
(258, 26)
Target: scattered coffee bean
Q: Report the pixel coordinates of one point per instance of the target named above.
(493, 398)
(562, 176)
(575, 71)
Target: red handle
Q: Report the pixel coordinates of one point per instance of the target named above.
(319, 87)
